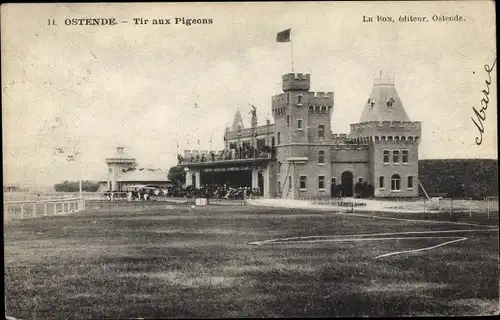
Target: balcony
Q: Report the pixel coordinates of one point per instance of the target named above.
(229, 156)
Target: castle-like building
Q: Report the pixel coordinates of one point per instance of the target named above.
(299, 156)
(125, 175)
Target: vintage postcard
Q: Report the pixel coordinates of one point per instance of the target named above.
(242, 159)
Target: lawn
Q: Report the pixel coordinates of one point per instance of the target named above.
(174, 261)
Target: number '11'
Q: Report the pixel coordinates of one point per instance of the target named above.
(51, 22)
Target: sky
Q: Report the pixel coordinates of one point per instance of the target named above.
(91, 88)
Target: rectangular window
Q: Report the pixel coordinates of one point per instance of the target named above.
(386, 156)
(405, 156)
(289, 182)
(299, 123)
(287, 97)
(279, 186)
(395, 156)
(321, 156)
(279, 140)
(410, 182)
(272, 142)
(321, 131)
(299, 99)
(232, 145)
(321, 182)
(334, 181)
(287, 119)
(381, 182)
(303, 182)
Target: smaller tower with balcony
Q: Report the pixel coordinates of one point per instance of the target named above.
(119, 162)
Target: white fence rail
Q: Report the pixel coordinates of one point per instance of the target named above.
(488, 207)
(33, 209)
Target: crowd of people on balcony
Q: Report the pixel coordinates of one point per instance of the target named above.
(244, 152)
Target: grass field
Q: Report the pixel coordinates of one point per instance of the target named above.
(174, 261)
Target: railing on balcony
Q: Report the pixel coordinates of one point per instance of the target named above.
(225, 155)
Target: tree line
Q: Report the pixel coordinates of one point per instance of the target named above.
(74, 186)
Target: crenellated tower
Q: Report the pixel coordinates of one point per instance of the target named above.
(302, 116)
(392, 139)
(303, 134)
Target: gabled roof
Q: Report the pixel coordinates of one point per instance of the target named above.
(383, 104)
(238, 121)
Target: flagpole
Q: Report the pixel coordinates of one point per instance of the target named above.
(291, 48)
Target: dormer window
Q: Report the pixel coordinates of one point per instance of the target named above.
(371, 102)
(390, 102)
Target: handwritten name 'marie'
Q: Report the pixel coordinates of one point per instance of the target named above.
(481, 114)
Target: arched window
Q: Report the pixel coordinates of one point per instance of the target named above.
(279, 139)
(395, 182)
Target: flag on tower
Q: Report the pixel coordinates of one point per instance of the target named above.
(284, 36)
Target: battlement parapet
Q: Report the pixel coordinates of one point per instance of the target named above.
(296, 81)
(386, 128)
(341, 138)
(402, 140)
(320, 94)
(320, 99)
(296, 76)
(278, 98)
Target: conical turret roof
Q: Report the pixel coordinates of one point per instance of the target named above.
(238, 121)
(383, 104)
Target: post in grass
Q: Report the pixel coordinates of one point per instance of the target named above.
(488, 208)
(470, 207)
